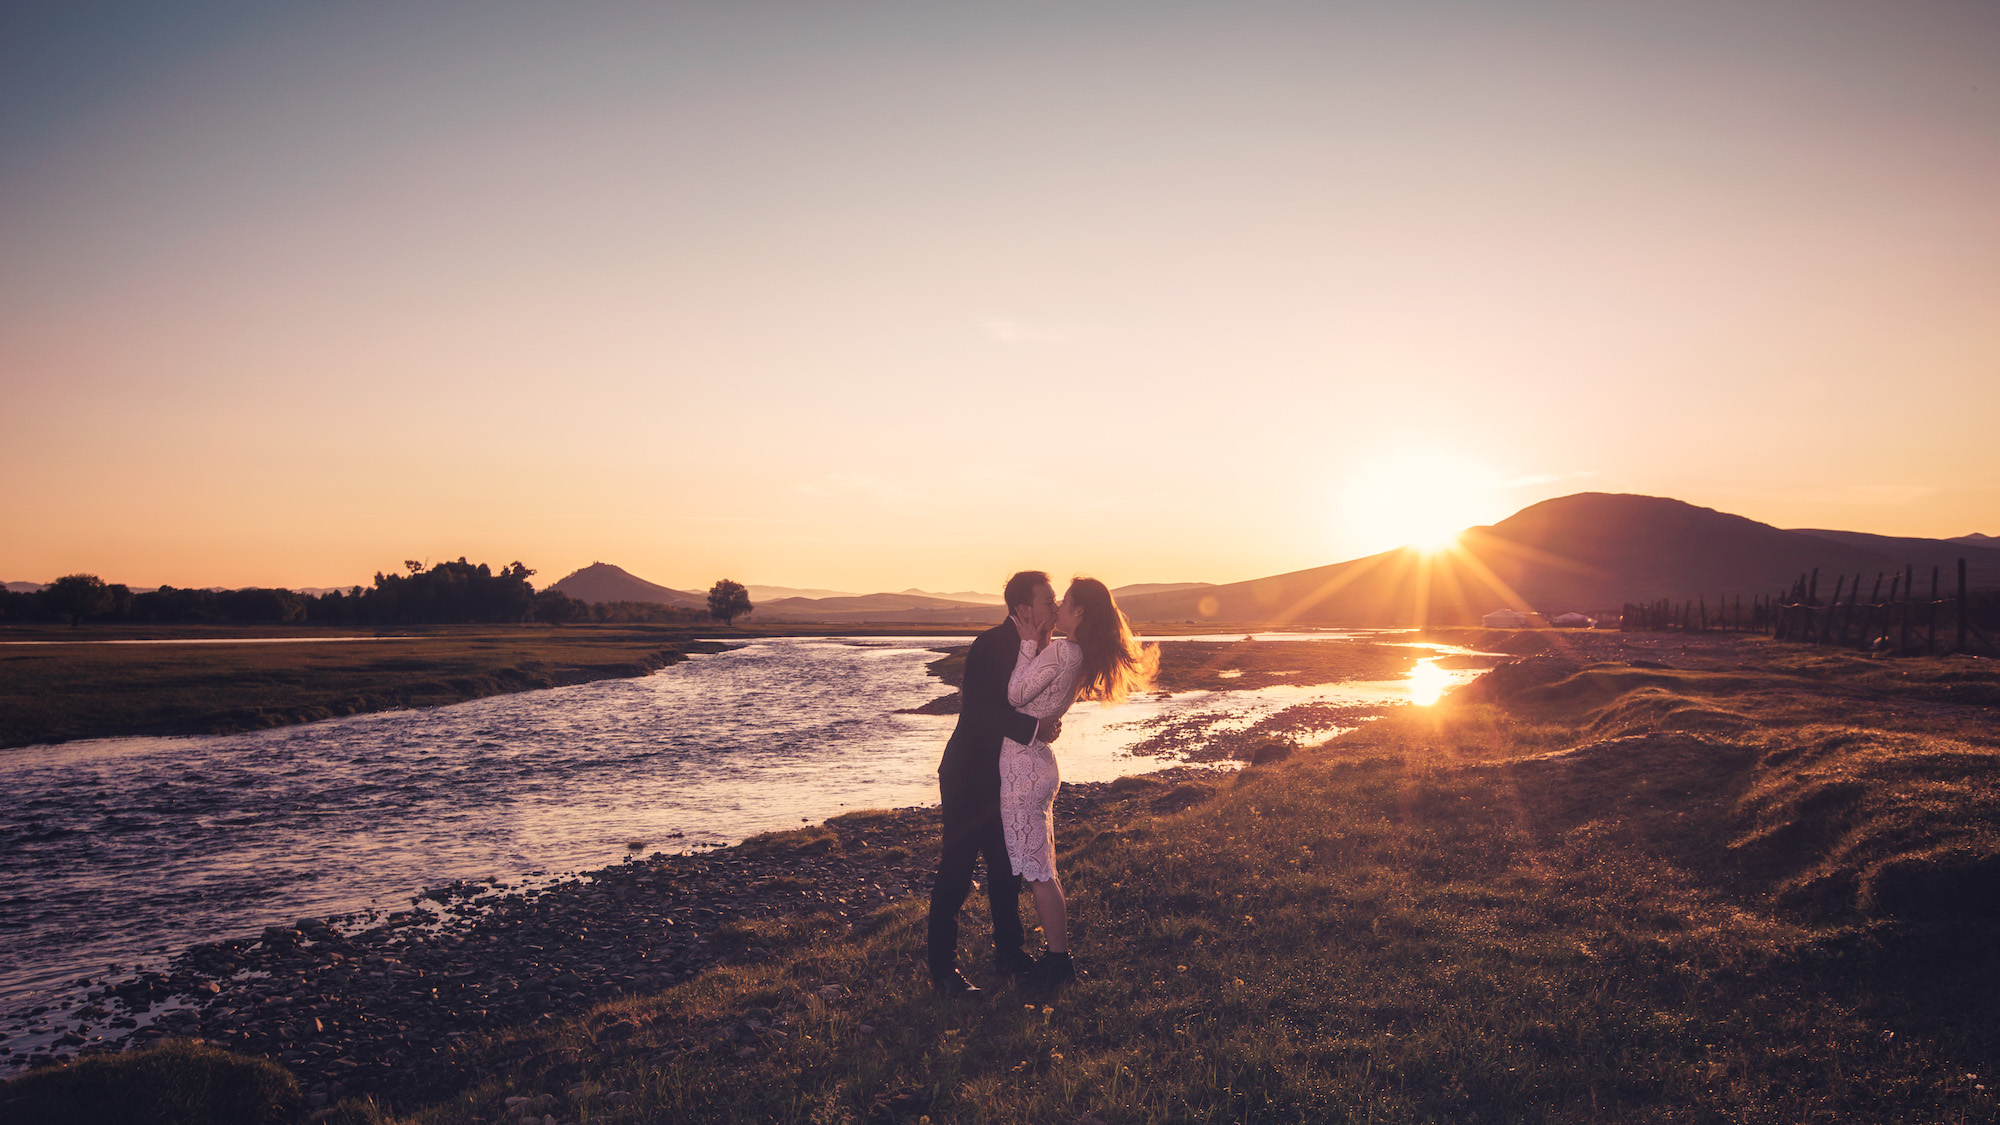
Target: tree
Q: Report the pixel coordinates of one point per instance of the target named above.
(728, 601)
(77, 596)
(553, 607)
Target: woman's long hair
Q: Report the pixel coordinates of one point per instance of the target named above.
(1114, 663)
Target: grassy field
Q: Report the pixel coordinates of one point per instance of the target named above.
(1761, 884)
(60, 690)
(1745, 890)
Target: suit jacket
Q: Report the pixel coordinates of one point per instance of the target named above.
(971, 765)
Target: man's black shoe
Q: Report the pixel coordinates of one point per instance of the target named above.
(1012, 962)
(954, 986)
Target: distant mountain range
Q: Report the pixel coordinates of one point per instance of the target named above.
(603, 582)
(762, 594)
(904, 608)
(1591, 552)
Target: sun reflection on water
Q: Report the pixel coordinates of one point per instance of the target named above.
(1428, 682)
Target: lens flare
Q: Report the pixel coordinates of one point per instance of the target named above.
(1420, 498)
(1427, 682)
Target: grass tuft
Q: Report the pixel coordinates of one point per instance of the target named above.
(174, 1083)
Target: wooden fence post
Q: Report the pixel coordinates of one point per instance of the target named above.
(1930, 640)
(1961, 606)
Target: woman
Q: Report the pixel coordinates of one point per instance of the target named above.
(1097, 659)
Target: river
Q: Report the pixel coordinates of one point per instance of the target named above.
(122, 851)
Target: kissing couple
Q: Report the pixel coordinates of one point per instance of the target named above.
(998, 779)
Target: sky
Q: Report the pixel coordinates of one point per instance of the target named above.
(876, 295)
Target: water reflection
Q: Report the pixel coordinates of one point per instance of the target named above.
(1428, 682)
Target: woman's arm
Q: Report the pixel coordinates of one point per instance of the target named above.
(1033, 675)
(984, 691)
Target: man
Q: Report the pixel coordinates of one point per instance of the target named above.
(969, 782)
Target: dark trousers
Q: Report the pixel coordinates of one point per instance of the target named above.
(972, 829)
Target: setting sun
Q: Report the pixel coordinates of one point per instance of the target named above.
(1418, 498)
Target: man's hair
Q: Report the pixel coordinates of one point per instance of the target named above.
(1020, 589)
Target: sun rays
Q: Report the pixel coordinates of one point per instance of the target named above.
(1418, 497)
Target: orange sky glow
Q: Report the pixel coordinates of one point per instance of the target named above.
(897, 295)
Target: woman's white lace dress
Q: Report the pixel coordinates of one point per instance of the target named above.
(1043, 686)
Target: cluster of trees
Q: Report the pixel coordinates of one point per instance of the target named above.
(448, 593)
(554, 607)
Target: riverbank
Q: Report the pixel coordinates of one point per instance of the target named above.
(222, 680)
(1651, 879)
(367, 1003)
(1583, 889)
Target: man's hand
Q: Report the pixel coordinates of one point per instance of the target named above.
(1048, 730)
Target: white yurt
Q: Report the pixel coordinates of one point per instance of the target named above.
(1504, 619)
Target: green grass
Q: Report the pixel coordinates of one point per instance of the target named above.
(1627, 895)
(61, 691)
(175, 1083)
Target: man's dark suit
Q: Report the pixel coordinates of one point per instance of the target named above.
(969, 782)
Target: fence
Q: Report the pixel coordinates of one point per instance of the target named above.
(1966, 622)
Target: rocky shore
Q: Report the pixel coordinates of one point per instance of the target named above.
(359, 1004)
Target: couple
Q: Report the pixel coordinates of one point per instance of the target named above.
(998, 778)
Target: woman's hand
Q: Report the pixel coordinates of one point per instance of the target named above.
(1024, 623)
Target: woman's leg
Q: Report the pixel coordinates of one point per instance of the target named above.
(1053, 911)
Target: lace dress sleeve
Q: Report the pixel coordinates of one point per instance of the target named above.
(1033, 673)
(1044, 685)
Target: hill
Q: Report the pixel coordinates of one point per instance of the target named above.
(1140, 588)
(762, 594)
(1981, 555)
(1591, 552)
(903, 608)
(972, 597)
(602, 582)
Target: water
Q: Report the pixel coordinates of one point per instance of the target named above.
(124, 850)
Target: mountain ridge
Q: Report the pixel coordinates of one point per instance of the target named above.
(1590, 552)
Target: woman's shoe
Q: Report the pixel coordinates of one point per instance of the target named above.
(1051, 972)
